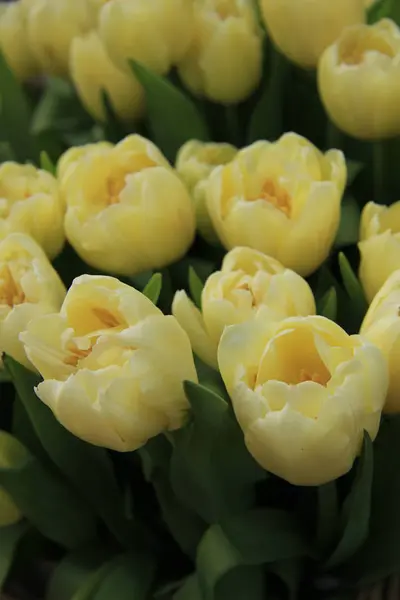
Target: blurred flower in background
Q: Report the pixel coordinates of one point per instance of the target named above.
(14, 42)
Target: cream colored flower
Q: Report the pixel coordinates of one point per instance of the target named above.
(14, 43)
(224, 60)
(280, 198)
(113, 364)
(30, 203)
(303, 392)
(127, 210)
(29, 286)
(248, 282)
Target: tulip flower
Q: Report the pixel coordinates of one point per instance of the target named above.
(30, 203)
(113, 365)
(280, 198)
(248, 281)
(359, 80)
(304, 392)
(14, 42)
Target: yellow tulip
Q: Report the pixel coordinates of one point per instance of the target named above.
(12, 453)
(224, 61)
(281, 198)
(194, 164)
(92, 71)
(379, 245)
(248, 282)
(127, 210)
(359, 80)
(303, 392)
(71, 157)
(13, 40)
(381, 326)
(302, 29)
(30, 203)
(52, 25)
(113, 365)
(155, 33)
(29, 286)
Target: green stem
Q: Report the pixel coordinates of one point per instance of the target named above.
(233, 125)
(379, 171)
(327, 515)
(334, 137)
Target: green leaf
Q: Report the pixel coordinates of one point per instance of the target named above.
(353, 287)
(87, 467)
(153, 288)
(290, 572)
(384, 9)
(356, 509)
(212, 473)
(195, 286)
(46, 164)
(190, 590)
(43, 497)
(113, 128)
(9, 539)
(15, 116)
(131, 577)
(354, 168)
(174, 118)
(4, 376)
(328, 304)
(74, 570)
(251, 539)
(380, 555)
(327, 515)
(93, 582)
(348, 232)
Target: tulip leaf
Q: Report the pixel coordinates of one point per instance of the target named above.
(212, 472)
(348, 232)
(356, 509)
(87, 467)
(113, 128)
(190, 590)
(15, 116)
(46, 163)
(247, 540)
(354, 168)
(43, 497)
(87, 590)
(353, 288)
(173, 117)
(195, 286)
(153, 288)
(379, 557)
(328, 304)
(10, 537)
(384, 9)
(132, 575)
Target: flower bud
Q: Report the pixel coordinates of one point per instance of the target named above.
(52, 26)
(359, 80)
(194, 164)
(92, 72)
(248, 282)
(127, 209)
(71, 157)
(381, 326)
(280, 198)
(303, 392)
(29, 286)
(30, 203)
(224, 61)
(14, 43)
(155, 33)
(302, 29)
(379, 245)
(113, 364)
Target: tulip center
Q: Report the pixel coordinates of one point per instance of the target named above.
(353, 52)
(115, 185)
(11, 293)
(276, 195)
(225, 8)
(321, 378)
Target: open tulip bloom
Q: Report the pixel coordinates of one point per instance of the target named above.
(200, 299)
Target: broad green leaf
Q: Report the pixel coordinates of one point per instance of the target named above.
(153, 288)
(43, 497)
(212, 473)
(88, 589)
(46, 164)
(87, 467)
(348, 232)
(354, 168)
(174, 118)
(74, 570)
(328, 304)
(9, 539)
(15, 115)
(4, 375)
(380, 555)
(131, 577)
(356, 509)
(190, 590)
(23, 430)
(290, 572)
(243, 582)
(195, 286)
(384, 9)
(353, 288)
